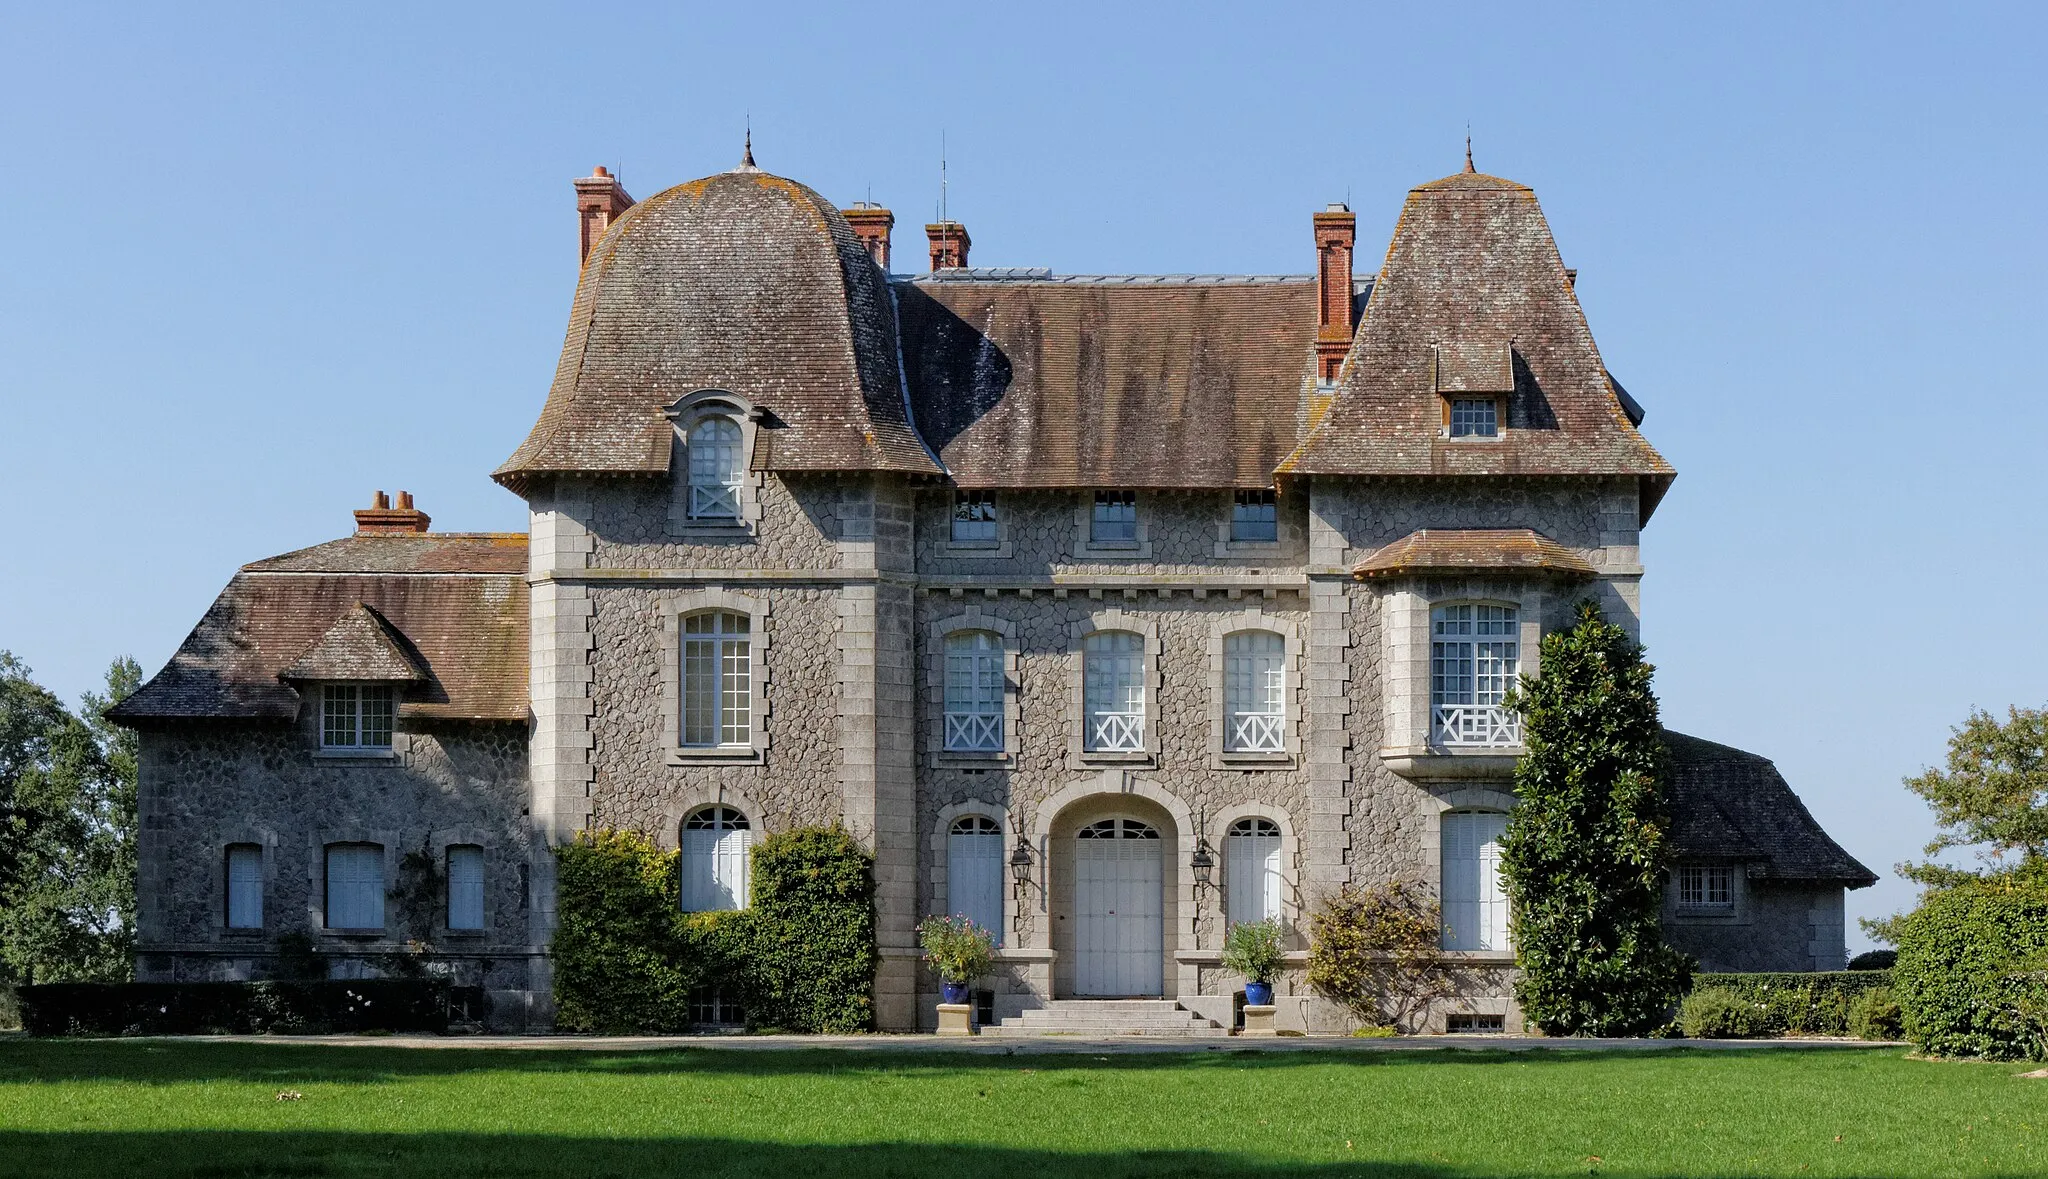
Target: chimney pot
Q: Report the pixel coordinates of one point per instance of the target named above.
(949, 242)
(871, 224)
(381, 519)
(600, 200)
(1336, 231)
(380, 501)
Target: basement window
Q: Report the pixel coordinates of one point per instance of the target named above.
(1475, 1024)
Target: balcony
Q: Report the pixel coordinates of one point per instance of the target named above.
(1468, 742)
(1116, 732)
(1257, 732)
(974, 732)
(1474, 726)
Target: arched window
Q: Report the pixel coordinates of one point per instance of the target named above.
(974, 872)
(1113, 691)
(1473, 657)
(718, 680)
(715, 469)
(1475, 908)
(974, 692)
(1251, 861)
(715, 843)
(1254, 692)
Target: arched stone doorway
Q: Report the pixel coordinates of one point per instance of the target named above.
(1114, 897)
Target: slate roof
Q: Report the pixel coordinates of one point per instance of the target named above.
(454, 604)
(1464, 550)
(745, 282)
(359, 646)
(1168, 381)
(1473, 295)
(1733, 806)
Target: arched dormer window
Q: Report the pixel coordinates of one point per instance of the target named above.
(716, 466)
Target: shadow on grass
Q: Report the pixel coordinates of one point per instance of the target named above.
(219, 1155)
(168, 1062)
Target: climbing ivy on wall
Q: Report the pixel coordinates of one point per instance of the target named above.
(1587, 849)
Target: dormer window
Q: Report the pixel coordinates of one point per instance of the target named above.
(1474, 417)
(974, 517)
(715, 469)
(1254, 517)
(356, 716)
(1115, 521)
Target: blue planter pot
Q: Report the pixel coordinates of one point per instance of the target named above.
(1258, 994)
(954, 992)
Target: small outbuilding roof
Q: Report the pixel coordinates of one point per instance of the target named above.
(1473, 550)
(1735, 807)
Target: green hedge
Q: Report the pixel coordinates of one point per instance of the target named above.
(174, 1009)
(801, 958)
(1973, 970)
(1817, 1003)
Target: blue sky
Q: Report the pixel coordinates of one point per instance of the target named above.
(259, 261)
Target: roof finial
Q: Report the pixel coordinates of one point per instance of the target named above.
(1468, 149)
(747, 154)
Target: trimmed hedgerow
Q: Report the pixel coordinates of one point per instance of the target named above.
(1972, 976)
(801, 958)
(1815, 1003)
(1875, 1015)
(232, 1008)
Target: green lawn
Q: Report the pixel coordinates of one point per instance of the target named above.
(212, 1109)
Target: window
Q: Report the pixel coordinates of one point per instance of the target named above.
(1113, 691)
(1254, 517)
(718, 679)
(715, 870)
(1118, 829)
(974, 872)
(1475, 1024)
(1115, 521)
(465, 886)
(1472, 664)
(1706, 887)
(355, 886)
(1475, 417)
(974, 517)
(1475, 908)
(356, 716)
(715, 469)
(244, 870)
(974, 692)
(713, 1007)
(1254, 692)
(1251, 863)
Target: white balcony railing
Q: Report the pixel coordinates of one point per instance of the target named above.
(1470, 725)
(1257, 732)
(974, 732)
(1116, 732)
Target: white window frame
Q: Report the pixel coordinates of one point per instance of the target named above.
(1479, 922)
(975, 692)
(351, 712)
(977, 871)
(1223, 709)
(1255, 692)
(1254, 516)
(714, 866)
(718, 680)
(937, 634)
(1707, 890)
(1474, 659)
(977, 519)
(675, 611)
(362, 895)
(717, 468)
(1465, 421)
(1254, 883)
(1142, 722)
(1114, 716)
(467, 872)
(1138, 548)
(242, 878)
(685, 517)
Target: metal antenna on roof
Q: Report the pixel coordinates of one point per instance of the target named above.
(942, 175)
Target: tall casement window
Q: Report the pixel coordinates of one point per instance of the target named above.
(244, 868)
(1115, 521)
(356, 716)
(974, 517)
(1113, 691)
(1251, 862)
(1474, 417)
(716, 467)
(355, 886)
(714, 866)
(1473, 656)
(1706, 888)
(974, 872)
(465, 886)
(1254, 692)
(1254, 517)
(1475, 907)
(718, 680)
(974, 692)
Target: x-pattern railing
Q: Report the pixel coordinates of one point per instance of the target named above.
(1476, 725)
(716, 501)
(1116, 732)
(1257, 732)
(974, 732)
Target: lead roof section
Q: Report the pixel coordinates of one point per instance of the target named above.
(1023, 380)
(456, 602)
(1729, 806)
(745, 282)
(1473, 272)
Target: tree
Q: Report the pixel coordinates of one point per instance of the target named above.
(1992, 797)
(67, 832)
(1588, 847)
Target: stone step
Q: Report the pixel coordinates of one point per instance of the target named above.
(1190, 1031)
(1102, 1018)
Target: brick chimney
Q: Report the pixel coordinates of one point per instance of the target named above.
(871, 224)
(1336, 231)
(600, 198)
(381, 519)
(949, 245)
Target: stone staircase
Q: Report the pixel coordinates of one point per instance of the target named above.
(1104, 1018)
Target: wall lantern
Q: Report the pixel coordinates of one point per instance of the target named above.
(1204, 864)
(1020, 864)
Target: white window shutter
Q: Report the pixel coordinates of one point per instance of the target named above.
(245, 887)
(1251, 865)
(1493, 899)
(1460, 881)
(974, 879)
(355, 886)
(465, 887)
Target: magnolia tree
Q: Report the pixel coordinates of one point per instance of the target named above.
(1587, 849)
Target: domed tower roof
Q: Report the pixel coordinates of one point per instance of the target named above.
(743, 282)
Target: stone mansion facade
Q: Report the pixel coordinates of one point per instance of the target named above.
(1106, 610)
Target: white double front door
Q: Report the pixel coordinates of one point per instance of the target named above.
(1119, 909)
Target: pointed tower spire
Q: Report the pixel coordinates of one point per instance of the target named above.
(747, 151)
(1468, 153)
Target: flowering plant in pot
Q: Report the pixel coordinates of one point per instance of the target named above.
(958, 951)
(1253, 949)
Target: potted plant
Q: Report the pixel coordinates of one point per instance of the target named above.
(958, 950)
(1252, 949)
